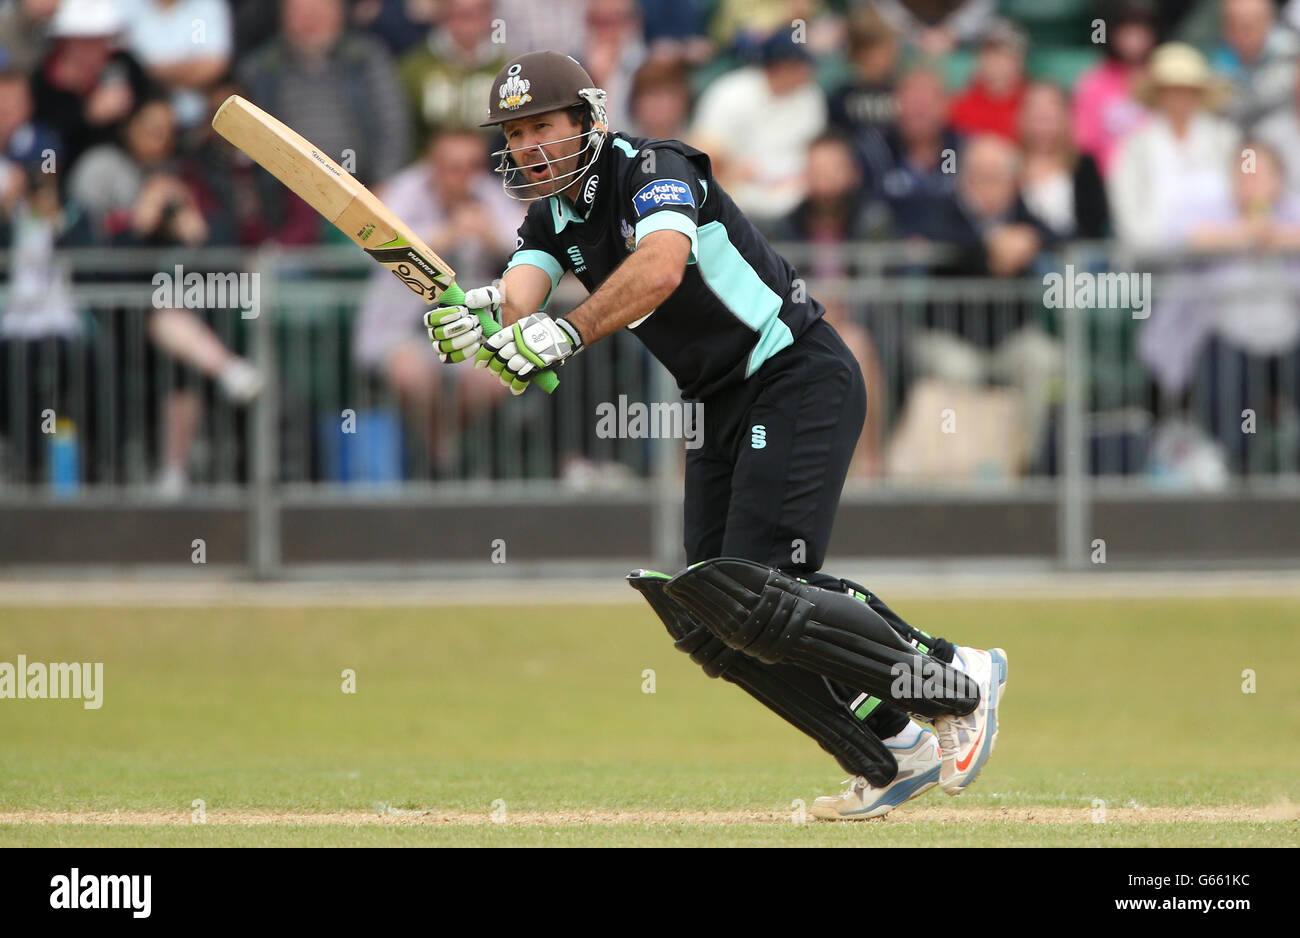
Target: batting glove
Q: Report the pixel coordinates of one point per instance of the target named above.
(517, 354)
(457, 331)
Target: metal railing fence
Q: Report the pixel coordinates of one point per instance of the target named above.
(107, 410)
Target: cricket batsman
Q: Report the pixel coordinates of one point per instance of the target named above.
(664, 251)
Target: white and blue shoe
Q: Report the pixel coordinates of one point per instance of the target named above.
(967, 741)
(918, 772)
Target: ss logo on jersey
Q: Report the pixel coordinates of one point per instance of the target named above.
(575, 255)
(757, 436)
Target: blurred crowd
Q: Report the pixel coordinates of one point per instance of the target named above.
(996, 131)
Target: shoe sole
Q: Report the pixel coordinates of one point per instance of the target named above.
(998, 691)
(927, 781)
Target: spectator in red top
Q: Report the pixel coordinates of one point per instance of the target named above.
(991, 102)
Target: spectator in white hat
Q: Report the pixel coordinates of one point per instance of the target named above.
(1176, 162)
(85, 87)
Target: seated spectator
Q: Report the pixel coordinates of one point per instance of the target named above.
(937, 27)
(613, 51)
(756, 123)
(336, 87)
(448, 77)
(135, 194)
(836, 212)
(128, 188)
(993, 336)
(1249, 300)
(25, 31)
(660, 102)
(837, 207)
(22, 140)
(866, 100)
(1062, 188)
(1281, 131)
(458, 207)
(997, 233)
(1244, 301)
(1105, 109)
(962, 344)
(911, 165)
(1171, 166)
(1261, 217)
(991, 102)
(184, 45)
(1258, 56)
(83, 89)
(145, 190)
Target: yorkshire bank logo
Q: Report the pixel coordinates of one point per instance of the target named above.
(663, 192)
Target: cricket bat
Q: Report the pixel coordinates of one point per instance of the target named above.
(347, 205)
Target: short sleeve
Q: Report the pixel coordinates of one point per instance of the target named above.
(532, 247)
(666, 192)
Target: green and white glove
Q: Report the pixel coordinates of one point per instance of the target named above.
(457, 331)
(518, 354)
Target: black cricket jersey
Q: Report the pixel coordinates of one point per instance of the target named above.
(738, 303)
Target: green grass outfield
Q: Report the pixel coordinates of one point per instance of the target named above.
(466, 716)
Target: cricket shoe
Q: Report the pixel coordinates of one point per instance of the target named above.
(967, 741)
(918, 772)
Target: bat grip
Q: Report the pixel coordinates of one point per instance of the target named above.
(455, 296)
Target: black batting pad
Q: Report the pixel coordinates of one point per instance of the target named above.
(777, 619)
(799, 697)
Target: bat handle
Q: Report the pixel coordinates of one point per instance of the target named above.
(454, 296)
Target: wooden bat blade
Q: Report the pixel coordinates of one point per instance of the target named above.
(335, 194)
(344, 202)
(288, 156)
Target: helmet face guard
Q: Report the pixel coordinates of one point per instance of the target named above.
(514, 176)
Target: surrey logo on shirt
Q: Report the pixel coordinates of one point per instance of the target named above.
(662, 192)
(628, 233)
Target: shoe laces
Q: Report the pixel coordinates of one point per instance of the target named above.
(952, 728)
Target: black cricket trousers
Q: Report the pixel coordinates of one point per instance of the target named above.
(765, 483)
